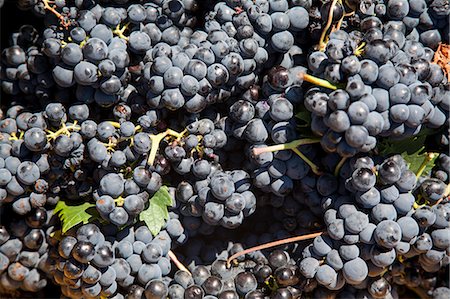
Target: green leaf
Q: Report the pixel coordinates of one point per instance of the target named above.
(71, 215)
(420, 161)
(304, 122)
(413, 150)
(157, 213)
(409, 145)
(304, 117)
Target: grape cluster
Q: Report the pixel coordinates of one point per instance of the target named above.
(96, 262)
(30, 151)
(388, 99)
(441, 170)
(371, 223)
(196, 153)
(222, 198)
(280, 23)
(393, 84)
(91, 60)
(217, 62)
(25, 261)
(217, 281)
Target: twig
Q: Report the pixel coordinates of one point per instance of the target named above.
(273, 244)
(179, 264)
(327, 26)
(339, 166)
(419, 292)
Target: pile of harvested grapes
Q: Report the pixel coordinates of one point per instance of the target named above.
(225, 149)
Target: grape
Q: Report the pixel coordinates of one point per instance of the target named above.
(112, 184)
(356, 222)
(358, 112)
(322, 245)
(355, 271)
(363, 179)
(83, 251)
(156, 290)
(35, 139)
(387, 233)
(17, 271)
(222, 187)
(440, 238)
(91, 275)
(133, 204)
(28, 173)
(334, 260)
(326, 275)
(151, 253)
(245, 282)
(382, 258)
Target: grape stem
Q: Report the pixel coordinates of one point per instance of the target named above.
(339, 24)
(119, 31)
(61, 18)
(110, 146)
(339, 166)
(115, 124)
(360, 49)
(64, 130)
(284, 146)
(156, 140)
(14, 136)
(291, 146)
(316, 81)
(119, 201)
(429, 157)
(446, 193)
(273, 244)
(311, 164)
(322, 43)
(419, 292)
(177, 262)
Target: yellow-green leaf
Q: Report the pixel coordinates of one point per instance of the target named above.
(420, 161)
(73, 214)
(413, 150)
(157, 212)
(409, 145)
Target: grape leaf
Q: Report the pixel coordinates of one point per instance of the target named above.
(413, 150)
(304, 122)
(304, 117)
(415, 160)
(72, 215)
(156, 214)
(408, 145)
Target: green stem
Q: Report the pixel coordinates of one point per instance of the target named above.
(313, 166)
(119, 31)
(284, 146)
(322, 43)
(64, 130)
(115, 124)
(317, 81)
(119, 201)
(426, 160)
(156, 140)
(339, 166)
